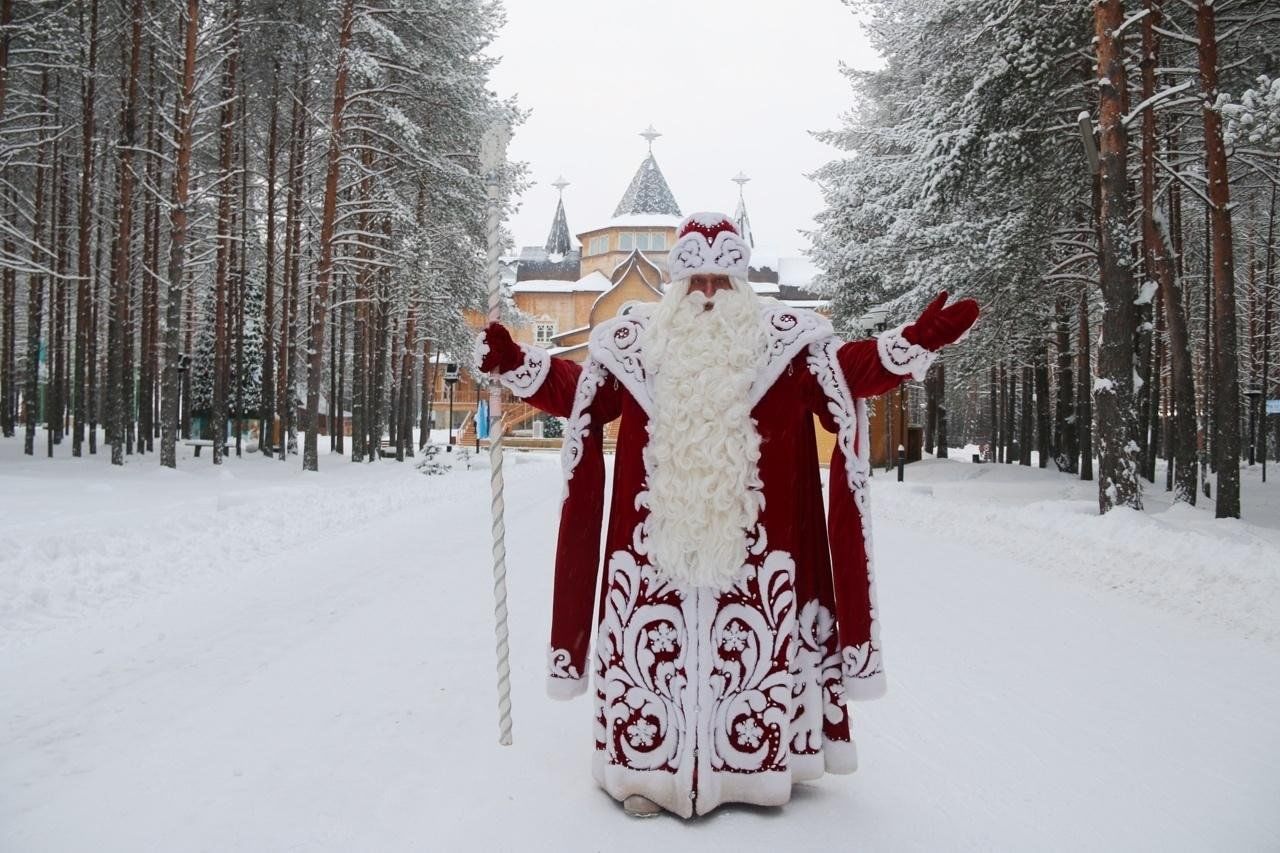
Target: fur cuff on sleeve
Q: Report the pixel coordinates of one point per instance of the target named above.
(563, 689)
(901, 357)
(525, 380)
(563, 681)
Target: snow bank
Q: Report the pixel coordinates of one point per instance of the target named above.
(1223, 573)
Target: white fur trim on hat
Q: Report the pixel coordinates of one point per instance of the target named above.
(728, 254)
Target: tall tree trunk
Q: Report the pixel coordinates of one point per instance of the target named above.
(329, 210)
(1226, 363)
(1084, 394)
(58, 305)
(1067, 453)
(35, 287)
(9, 338)
(1113, 391)
(342, 370)
(224, 256)
(941, 431)
(404, 431)
(1011, 408)
(119, 381)
(1025, 422)
(292, 251)
(267, 396)
(1042, 404)
(995, 415)
(178, 226)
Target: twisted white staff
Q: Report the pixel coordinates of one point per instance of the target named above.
(493, 152)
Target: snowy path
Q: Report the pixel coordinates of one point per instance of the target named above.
(340, 696)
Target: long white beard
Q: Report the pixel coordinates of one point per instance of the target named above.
(703, 453)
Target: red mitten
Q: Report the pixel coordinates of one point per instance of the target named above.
(938, 326)
(500, 352)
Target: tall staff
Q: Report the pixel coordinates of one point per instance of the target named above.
(493, 153)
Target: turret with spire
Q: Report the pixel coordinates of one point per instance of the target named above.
(559, 242)
(648, 192)
(740, 215)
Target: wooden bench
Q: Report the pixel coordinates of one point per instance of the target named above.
(198, 443)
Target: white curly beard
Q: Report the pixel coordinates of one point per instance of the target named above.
(704, 489)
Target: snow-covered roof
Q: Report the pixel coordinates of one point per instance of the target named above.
(593, 282)
(764, 288)
(642, 220)
(808, 303)
(648, 192)
(563, 350)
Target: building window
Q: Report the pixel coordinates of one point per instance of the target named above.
(599, 245)
(543, 333)
(657, 243)
(627, 242)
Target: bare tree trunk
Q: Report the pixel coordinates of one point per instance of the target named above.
(224, 254)
(292, 251)
(404, 431)
(941, 434)
(150, 252)
(1025, 419)
(173, 373)
(267, 397)
(35, 288)
(428, 384)
(1067, 453)
(1118, 483)
(1042, 404)
(9, 345)
(1084, 394)
(1226, 365)
(120, 381)
(329, 209)
(930, 408)
(995, 414)
(342, 370)
(58, 294)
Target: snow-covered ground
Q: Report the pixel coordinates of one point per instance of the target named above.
(254, 658)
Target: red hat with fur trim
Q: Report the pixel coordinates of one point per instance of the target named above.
(708, 243)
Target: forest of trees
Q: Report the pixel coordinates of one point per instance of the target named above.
(1102, 177)
(238, 210)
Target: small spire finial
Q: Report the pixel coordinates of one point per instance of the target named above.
(560, 183)
(650, 134)
(740, 179)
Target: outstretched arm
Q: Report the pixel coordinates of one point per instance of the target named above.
(529, 372)
(872, 367)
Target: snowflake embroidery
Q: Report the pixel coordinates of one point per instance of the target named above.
(641, 732)
(734, 638)
(663, 638)
(749, 732)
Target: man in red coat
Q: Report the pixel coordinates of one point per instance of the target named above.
(735, 624)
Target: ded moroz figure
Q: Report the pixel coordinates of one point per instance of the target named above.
(736, 622)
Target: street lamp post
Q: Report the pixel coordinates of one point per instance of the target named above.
(450, 379)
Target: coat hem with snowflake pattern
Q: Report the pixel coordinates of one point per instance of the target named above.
(706, 696)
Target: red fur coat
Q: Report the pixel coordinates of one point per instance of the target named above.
(704, 696)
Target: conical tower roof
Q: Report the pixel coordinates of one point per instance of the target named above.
(558, 241)
(648, 193)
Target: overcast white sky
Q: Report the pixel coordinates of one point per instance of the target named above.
(731, 85)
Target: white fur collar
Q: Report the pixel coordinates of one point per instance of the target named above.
(617, 345)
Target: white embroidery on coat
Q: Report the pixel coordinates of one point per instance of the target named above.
(860, 661)
(559, 666)
(579, 424)
(618, 345)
